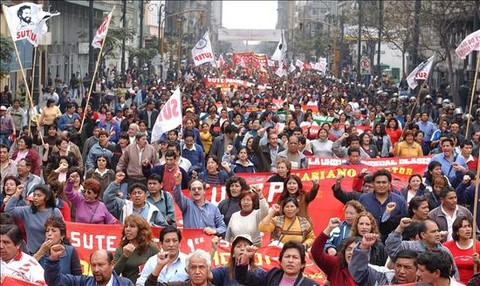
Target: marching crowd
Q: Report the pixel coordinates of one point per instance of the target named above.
(94, 162)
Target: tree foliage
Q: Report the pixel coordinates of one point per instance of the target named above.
(114, 38)
(6, 52)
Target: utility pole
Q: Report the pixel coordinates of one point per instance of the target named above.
(91, 60)
(179, 46)
(124, 21)
(140, 38)
(359, 40)
(380, 28)
(415, 36)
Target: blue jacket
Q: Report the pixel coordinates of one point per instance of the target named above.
(196, 157)
(53, 277)
(64, 121)
(69, 261)
(337, 236)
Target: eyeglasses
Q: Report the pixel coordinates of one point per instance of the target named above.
(88, 192)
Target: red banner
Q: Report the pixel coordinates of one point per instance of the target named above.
(87, 239)
(225, 83)
(11, 281)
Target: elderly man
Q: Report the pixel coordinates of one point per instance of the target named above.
(134, 156)
(292, 154)
(197, 265)
(197, 212)
(172, 268)
(101, 263)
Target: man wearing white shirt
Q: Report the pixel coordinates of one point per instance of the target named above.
(174, 270)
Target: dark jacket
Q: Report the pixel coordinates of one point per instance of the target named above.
(343, 196)
(263, 153)
(53, 277)
(270, 278)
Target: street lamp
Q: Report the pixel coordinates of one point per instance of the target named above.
(160, 8)
(335, 31)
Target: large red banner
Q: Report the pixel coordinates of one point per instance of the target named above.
(87, 238)
(225, 83)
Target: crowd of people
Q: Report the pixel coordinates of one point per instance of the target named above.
(92, 161)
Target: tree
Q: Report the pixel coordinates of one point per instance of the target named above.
(115, 37)
(6, 52)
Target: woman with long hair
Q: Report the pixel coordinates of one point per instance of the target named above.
(366, 223)
(242, 164)
(206, 137)
(225, 275)
(288, 226)
(382, 140)
(335, 267)
(462, 247)
(215, 174)
(52, 159)
(415, 187)
(34, 216)
(393, 130)
(252, 153)
(368, 146)
(56, 233)
(49, 114)
(25, 150)
(136, 247)
(10, 184)
(101, 172)
(293, 188)
(234, 187)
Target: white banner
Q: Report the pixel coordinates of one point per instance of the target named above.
(265, 35)
(27, 21)
(202, 52)
(102, 31)
(421, 72)
(469, 44)
(170, 116)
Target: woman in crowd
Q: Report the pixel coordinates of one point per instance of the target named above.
(393, 130)
(102, 172)
(368, 146)
(59, 170)
(214, 174)
(292, 263)
(336, 266)
(61, 201)
(53, 158)
(135, 248)
(246, 220)
(419, 139)
(288, 226)
(10, 184)
(252, 153)
(461, 248)
(34, 216)
(337, 235)
(88, 207)
(382, 140)
(293, 188)
(25, 150)
(243, 164)
(13, 261)
(408, 147)
(366, 223)
(434, 169)
(190, 125)
(234, 187)
(76, 134)
(49, 114)
(322, 146)
(415, 188)
(283, 169)
(225, 275)
(56, 232)
(433, 197)
(206, 137)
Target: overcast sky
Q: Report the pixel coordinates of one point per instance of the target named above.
(249, 14)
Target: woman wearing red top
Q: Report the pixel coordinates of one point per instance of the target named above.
(335, 267)
(461, 247)
(393, 130)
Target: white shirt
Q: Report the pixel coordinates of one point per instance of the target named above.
(450, 220)
(23, 267)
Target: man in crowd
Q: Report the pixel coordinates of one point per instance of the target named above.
(267, 153)
(161, 199)
(101, 264)
(17, 113)
(453, 165)
(193, 153)
(169, 264)
(7, 127)
(435, 267)
(136, 204)
(405, 265)
(26, 178)
(66, 120)
(103, 147)
(197, 212)
(292, 154)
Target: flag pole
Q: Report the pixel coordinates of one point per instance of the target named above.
(473, 94)
(94, 74)
(33, 86)
(475, 211)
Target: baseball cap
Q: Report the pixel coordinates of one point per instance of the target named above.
(246, 237)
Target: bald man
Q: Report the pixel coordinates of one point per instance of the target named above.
(101, 263)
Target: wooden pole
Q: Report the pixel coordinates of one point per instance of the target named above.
(33, 86)
(92, 81)
(25, 80)
(475, 211)
(473, 94)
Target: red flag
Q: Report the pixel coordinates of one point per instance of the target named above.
(102, 31)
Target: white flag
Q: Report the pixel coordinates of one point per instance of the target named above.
(292, 68)
(282, 62)
(299, 64)
(170, 116)
(421, 72)
(277, 55)
(27, 21)
(469, 44)
(202, 52)
(102, 31)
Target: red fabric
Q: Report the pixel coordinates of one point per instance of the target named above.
(472, 165)
(463, 259)
(394, 134)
